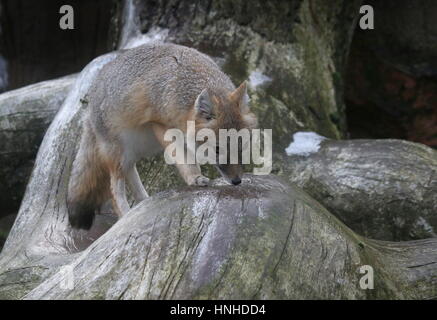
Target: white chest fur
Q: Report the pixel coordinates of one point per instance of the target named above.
(139, 143)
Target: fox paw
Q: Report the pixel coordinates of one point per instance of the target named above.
(201, 181)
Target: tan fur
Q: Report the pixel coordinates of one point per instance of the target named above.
(133, 101)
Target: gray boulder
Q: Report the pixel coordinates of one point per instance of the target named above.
(382, 189)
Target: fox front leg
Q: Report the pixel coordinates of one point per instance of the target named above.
(190, 172)
(192, 175)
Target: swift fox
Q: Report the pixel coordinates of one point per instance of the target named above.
(133, 101)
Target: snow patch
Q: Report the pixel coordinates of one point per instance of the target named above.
(130, 23)
(304, 143)
(256, 78)
(154, 35)
(421, 222)
(131, 35)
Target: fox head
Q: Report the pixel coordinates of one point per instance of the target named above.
(220, 109)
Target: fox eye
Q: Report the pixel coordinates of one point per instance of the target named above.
(209, 117)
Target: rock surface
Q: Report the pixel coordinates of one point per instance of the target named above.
(293, 60)
(382, 189)
(293, 65)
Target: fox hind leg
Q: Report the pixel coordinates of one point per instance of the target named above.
(113, 156)
(135, 184)
(118, 192)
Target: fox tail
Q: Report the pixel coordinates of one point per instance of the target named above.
(89, 183)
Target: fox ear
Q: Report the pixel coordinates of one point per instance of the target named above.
(240, 95)
(203, 105)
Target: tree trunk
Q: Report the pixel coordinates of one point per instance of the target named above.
(264, 240)
(41, 232)
(25, 115)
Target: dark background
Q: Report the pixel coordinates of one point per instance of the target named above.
(37, 49)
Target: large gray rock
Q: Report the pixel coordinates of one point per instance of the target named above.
(382, 189)
(25, 115)
(293, 54)
(292, 63)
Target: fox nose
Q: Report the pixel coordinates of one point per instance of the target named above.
(236, 181)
